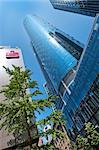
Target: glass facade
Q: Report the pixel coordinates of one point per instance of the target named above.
(55, 60)
(83, 101)
(85, 7)
(67, 74)
(89, 108)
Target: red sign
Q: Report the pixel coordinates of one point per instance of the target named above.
(12, 54)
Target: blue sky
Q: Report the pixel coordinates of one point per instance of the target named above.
(12, 32)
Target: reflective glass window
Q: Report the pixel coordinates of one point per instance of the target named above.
(97, 116)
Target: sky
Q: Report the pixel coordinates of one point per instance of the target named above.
(12, 32)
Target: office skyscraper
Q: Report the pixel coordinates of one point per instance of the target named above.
(83, 102)
(57, 53)
(74, 80)
(85, 7)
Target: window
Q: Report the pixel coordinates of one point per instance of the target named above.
(78, 123)
(97, 116)
(95, 100)
(81, 117)
(69, 77)
(68, 43)
(62, 89)
(93, 120)
(91, 104)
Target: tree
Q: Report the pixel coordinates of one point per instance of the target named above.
(46, 147)
(91, 139)
(18, 110)
(73, 145)
(82, 143)
(18, 107)
(92, 135)
(56, 122)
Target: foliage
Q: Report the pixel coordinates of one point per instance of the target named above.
(17, 110)
(73, 145)
(48, 146)
(91, 139)
(82, 142)
(56, 121)
(92, 134)
(18, 107)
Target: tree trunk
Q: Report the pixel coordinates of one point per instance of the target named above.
(28, 129)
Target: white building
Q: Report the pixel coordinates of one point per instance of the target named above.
(8, 57)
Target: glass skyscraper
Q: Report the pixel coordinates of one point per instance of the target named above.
(83, 102)
(57, 53)
(70, 71)
(85, 7)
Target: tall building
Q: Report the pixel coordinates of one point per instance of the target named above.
(57, 53)
(83, 102)
(85, 7)
(8, 57)
(75, 79)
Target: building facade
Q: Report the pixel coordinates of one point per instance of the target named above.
(8, 57)
(57, 53)
(68, 75)
(88, 111)
(83, 101)
(85, 7)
